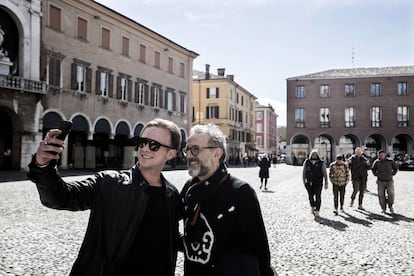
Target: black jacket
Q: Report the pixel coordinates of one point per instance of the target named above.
(222, 216)
(117, 201)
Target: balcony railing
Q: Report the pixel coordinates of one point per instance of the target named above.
(22, 84)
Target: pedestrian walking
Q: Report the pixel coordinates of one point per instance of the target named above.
(264, 165)
(224, 232)
(274, 160)
(359, 166)
(384, 169)
(314, 172)
(134, 214)
(339, 177)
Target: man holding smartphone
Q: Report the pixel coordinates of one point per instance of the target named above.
(133, 224)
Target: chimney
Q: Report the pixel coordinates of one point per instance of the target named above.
(207, 71)
(231, 77)
(220, 72)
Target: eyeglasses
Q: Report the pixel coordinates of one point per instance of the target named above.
(195, 150)
(152, 145)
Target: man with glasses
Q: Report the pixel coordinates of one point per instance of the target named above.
(133, 224)
(224, 232)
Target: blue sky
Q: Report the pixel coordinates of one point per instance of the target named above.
(264, 42)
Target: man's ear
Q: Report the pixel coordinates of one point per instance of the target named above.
(171, 154)
(218, 153)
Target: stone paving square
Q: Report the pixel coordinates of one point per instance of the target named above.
(35, 240)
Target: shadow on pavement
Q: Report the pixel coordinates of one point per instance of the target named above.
(348, 217)
(340, 226)
(267, 191)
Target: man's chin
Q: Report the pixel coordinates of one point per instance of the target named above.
(193, 172)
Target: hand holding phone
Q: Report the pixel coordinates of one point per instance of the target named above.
(64, 127)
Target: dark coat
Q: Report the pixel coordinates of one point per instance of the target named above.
(117, 202)
(264, 165)
(222, 215)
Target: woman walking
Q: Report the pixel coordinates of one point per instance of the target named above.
(339, 176)
(264, 165)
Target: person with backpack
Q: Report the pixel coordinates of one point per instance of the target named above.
(314, 172)
(339, 176)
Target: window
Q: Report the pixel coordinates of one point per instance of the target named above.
(259, 141)
(349, 117)
(242, 100)
(170, 104)
(324, 91)
(105, 42)
(324, 118)
(103, 84)
(123, 89)
(155, 97)
(350, 90)
(259, 115)
(157, 60)
(212, 93)
(375, 89)
(182, 103)
(140, 93)
(259, 127)
(125, 46)
(182, 70)
(300, 117)
(53, 76)
(170, 65)
(300, 91)
(376, 116)
(402, 116)
(402, 88)
(55, 18)
(82, 29)
(212, 112)
(142, 53)
(80, 78)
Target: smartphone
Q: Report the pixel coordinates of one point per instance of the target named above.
(65, 127)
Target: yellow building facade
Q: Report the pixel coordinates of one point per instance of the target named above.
(219, 100)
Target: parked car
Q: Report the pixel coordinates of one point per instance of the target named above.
(406, 164)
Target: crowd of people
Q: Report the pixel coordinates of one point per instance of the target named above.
(354, 168)
(134, 219)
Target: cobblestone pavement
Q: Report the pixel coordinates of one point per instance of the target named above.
(35, 240)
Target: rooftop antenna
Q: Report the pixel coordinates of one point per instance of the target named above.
(353, 57)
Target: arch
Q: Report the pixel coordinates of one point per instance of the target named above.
(123, 128)
(51, 119)
(324, 144)
(102, 126)
(138, 128)
(299, 149)
(80, 123)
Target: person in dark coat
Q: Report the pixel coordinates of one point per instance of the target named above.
(224, 231)
(313, 174)
(264, 165)
(134, 214)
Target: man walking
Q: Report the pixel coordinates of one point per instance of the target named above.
(359, 165)
(384, 169)
(313, 174)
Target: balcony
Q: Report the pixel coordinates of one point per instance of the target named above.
(244, 126)
(22, 84)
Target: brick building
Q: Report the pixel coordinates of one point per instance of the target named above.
(266, 129)
(335, 111)
(89, 64)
